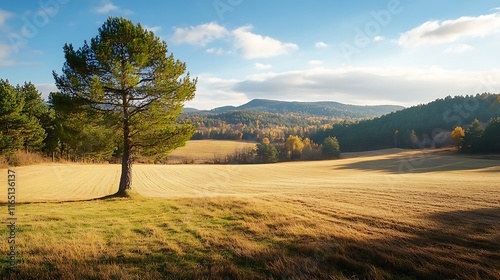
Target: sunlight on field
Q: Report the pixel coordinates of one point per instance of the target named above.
(376, 215)
(390, 171)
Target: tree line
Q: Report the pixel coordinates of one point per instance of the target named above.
(478, 139)
(292, 149)
(30, 124)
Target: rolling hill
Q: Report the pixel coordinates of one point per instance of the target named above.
(324, 108)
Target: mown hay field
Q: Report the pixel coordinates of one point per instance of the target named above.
(382, 215)
(202, 151)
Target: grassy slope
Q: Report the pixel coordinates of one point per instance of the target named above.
(364, 216)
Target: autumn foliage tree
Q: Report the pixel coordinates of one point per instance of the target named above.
(457, 137)
(294, 146)
(125, 76)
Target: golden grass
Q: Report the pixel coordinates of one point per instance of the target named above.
(21, 157)
(404, 171)
(201, 151)
(365, 217)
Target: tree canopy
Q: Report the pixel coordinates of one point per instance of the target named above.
(457, 136)
(472, 139)
(331, 148)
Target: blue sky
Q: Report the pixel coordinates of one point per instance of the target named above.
(403, 52)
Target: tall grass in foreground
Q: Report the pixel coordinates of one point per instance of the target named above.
(268, 237)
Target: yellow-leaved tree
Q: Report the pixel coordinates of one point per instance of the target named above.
(457, 137)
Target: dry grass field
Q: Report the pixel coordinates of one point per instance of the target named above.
(201, 151)
(379, 215)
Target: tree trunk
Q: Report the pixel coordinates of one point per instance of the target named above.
(126, 177)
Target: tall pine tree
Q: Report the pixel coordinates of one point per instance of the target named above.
(126, 74)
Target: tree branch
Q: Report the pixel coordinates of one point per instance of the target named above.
(143, 107)
(113, 90)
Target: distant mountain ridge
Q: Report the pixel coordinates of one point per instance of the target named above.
(321, 108)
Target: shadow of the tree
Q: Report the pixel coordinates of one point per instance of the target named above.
(461, 245)
(456, 245)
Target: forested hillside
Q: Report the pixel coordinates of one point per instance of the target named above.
(420, 126)
(276, 120)
(248, 125)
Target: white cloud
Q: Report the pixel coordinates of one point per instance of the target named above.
(262, 66)
(153, 29)
(251, 45)
(106, 8)
(6, 60)
(321, 45)
(45, 89)
(449, 31)
(212, 92)
(378, 38)
(200, 34)
(218, 51)
(109, 7)
(393, 85)
(459, 49)
(258, 46)
(316, 62)
(5, 50)
(352, 85)
(4, 16)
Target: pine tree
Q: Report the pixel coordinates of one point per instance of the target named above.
(331, 148)
(266, 152)
(19, 123)
(35, 110)
(491, 136)
(126, 74)
(472, 140)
